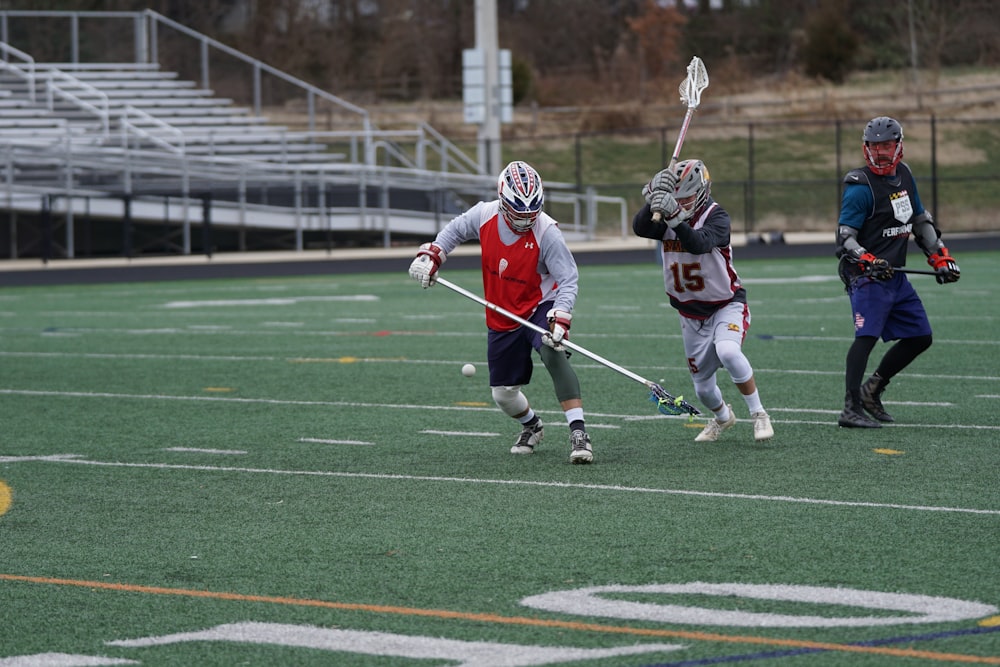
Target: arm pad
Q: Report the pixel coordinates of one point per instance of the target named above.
(847, 242)
(926, 234)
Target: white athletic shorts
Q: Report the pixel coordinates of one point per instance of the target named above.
(700, 336)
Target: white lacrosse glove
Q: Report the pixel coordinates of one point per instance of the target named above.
(559, 321)
(663, 180)
(659, 194)
(664, 203)
(425, 265)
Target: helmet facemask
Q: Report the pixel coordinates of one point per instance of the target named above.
(521, 196)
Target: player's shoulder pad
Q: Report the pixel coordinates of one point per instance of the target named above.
(858, 176)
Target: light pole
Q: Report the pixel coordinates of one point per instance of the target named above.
(487, 41)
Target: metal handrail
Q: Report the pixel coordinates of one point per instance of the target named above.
(446, 149)
(451, 154)
(52, 87)
(128, 127)
(155, 17)
(28, 76)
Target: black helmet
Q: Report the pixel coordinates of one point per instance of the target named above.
(883, 128)
(879, 130)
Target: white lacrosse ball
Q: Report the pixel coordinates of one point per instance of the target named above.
(468, 370)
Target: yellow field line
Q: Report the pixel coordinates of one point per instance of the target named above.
(512, 620)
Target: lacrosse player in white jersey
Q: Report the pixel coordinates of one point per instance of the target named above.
(529, 271)
(703, 287)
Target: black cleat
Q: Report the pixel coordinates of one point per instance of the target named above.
(871, 398)
(854, 417)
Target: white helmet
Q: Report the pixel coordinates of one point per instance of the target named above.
(521, 196)
(693, 180)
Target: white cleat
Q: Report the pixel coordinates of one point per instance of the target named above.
(762, 429)
(714, 428)
(582, 451)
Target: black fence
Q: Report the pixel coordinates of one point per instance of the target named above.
(784, 175)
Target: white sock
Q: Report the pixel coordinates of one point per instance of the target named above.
(573, 414)
(753, 402)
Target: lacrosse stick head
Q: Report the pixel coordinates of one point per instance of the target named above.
(695, 82)
(668, 404)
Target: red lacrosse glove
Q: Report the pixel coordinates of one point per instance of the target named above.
(876, 267)
(945, 268)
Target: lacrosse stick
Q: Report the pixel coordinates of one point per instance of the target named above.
(665, 402)
(690, 89)
(900, 269)
(919, 272)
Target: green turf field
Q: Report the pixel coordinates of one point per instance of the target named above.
(294, 471)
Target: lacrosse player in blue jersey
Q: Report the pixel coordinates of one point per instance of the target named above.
(879, 210)
(704, 288)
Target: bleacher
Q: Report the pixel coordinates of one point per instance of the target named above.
(104, 105)
(128, 142)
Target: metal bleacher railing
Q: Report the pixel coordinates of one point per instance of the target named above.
(120, 137)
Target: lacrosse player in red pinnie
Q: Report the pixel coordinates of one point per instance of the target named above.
(528, 270)
(879, 211)
(704, 288)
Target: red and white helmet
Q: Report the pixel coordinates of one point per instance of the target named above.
(880, 130)
(521, 195)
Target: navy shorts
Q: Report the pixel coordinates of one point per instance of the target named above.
(889, 309)
(509, 352)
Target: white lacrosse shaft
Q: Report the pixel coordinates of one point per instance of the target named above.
(531, 325)
(690, 89)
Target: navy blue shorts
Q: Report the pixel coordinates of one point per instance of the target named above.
(889, 309)
(509, 352)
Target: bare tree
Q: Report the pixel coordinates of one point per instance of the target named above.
(657, 33)
(583, 50)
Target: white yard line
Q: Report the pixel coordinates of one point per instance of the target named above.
(460, 408)
(75, 459)
(325, 441)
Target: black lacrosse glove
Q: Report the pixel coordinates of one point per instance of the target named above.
(875, 267)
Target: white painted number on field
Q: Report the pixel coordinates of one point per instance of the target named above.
(467, 654)
(612, 602)
(601, 601)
